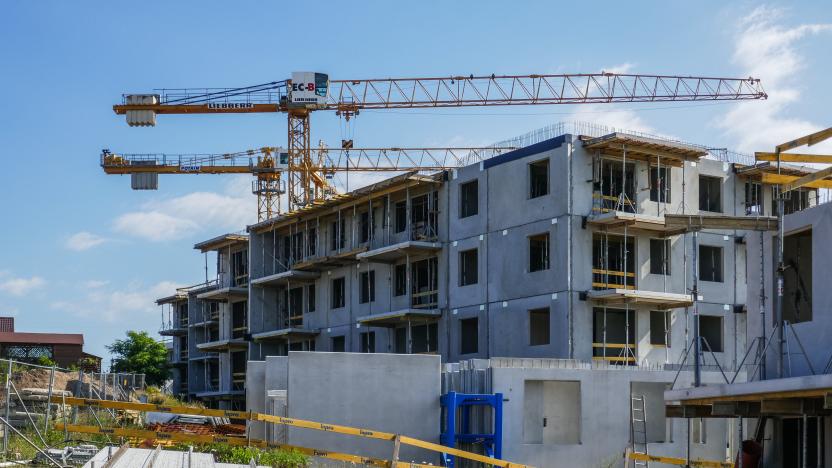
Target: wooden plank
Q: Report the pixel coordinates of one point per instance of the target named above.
(807, 179)
(795, 157)
(779, 179)
(809, 140)
(679, 461)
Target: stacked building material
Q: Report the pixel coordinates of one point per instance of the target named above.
(30, 405)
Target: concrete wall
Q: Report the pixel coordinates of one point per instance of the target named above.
(592, 428)
(386, 392)
(256, 397)
(814, 334)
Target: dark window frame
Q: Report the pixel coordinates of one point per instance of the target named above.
(539, 261)
(338, 344)
(400, 215)
(716, 272)
(469, 335)
(469, 202)
(660, 257)
(717, 322)
(400, 280)
(468, 273)
(540, 333)
(660, 186)
(707, 200)
(339, 299)
(367, 280)
(538, 178)
(660, 336)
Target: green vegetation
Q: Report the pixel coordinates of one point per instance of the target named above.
(19, 449)
(156, 397)
(141, 354)
(275, 458)
(45, 361)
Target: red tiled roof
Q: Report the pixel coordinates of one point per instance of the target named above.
(41, 338)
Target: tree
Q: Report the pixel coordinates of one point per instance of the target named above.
(141, 354)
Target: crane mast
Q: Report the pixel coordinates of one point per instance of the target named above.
(307, 92)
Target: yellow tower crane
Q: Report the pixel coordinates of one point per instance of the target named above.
(306, 92)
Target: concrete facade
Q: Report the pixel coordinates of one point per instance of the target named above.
(567, 410)
(384, 392)
(532, 264)
(504, 290)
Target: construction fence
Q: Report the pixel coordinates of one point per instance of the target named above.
(25, 394)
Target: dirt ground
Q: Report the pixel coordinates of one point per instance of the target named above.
(39, 378)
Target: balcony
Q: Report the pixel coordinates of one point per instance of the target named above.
(224, 294)
(653, 299)
(614, 353)
(400, 317)
(394, 252)
(174, 329)
(617, 222)
(222, 345)
(285, 334)
(286, 277)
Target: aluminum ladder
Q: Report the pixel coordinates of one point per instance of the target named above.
(638, 427)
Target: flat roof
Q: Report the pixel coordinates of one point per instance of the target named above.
(221, 242)
(41, 338)
(322, 207)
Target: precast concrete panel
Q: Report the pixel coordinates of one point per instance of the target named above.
(387, 392)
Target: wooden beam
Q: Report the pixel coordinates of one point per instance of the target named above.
(809, 140)
(687, 411)
(795, 157)
(746, 409)
(807, 179)
(698, 222)
(780, 179)
(784, 406)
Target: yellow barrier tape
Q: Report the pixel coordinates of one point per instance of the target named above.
(252, 416)
(239, 441)
(679, 461)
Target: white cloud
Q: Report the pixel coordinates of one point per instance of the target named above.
(179, 217)
(623, 68)
(768, 50)
(92, 284)
(84, 240)
(19, 286)
(114, 304)
(616, 119)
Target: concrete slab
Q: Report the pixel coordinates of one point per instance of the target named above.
(793, 387)
(398, 317)
(224, 294)
(286, 277)
(386, 392)
(391, 253)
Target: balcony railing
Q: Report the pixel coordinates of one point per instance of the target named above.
(613, 279)
(614, 353)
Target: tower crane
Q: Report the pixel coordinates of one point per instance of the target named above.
(306, 92)
(270, 163)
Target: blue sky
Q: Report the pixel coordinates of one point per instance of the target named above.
(81, 252)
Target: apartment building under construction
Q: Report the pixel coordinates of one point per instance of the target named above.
(585, 257)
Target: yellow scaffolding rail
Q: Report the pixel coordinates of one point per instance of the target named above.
(628, 455)
(252, 416)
